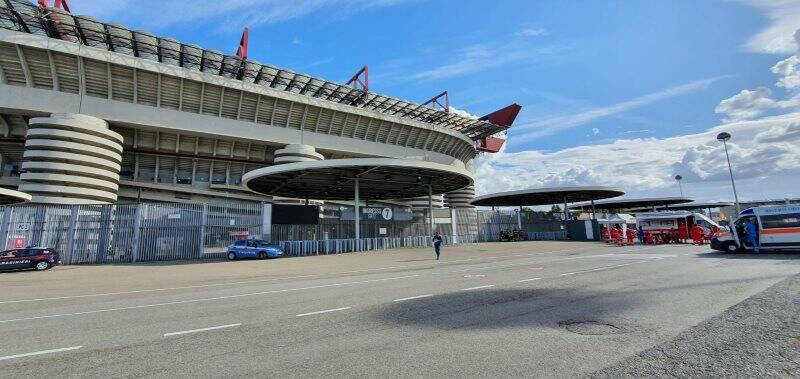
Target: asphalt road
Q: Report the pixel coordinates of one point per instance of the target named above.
(514, 309)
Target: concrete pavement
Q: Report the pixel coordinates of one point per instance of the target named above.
(513, 309)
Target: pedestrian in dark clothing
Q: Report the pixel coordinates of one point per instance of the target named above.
(437, 244)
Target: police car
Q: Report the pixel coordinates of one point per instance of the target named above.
(253, 248)
(38, 258)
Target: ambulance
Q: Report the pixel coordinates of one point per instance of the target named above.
(778, 227)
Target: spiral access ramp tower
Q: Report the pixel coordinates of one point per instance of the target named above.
(71, 159)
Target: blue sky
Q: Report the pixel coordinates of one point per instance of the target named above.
(588, 73)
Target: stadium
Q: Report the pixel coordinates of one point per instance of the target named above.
(161, 149)
(93, 112)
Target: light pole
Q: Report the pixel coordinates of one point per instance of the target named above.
(678, 178)
(724, 137)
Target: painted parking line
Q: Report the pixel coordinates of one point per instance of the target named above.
(529, 280)
(325, 311)
(201, 330)
(206, 299)
(7, 357)
(478, 287)
(412, 298)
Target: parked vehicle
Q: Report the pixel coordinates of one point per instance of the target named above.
(662, 224)
(253, 248)
(778, 227)
(39, 258)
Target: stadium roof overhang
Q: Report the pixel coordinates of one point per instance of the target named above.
(614, 204)
(8, 196)
(547, 196)
(378, 179)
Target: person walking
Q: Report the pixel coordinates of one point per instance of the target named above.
(437, 244)
(640, 233)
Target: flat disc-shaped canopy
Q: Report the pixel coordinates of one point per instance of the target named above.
(547, 196)
(378, 178)
(8, 196)
(612, 204)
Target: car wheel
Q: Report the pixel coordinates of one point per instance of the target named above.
(43, 265)
(231, 256)
(262, 255)
(731, 247)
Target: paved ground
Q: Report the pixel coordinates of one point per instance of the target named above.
(513, 309)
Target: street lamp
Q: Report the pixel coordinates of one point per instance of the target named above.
(724, 137)
(678, 178)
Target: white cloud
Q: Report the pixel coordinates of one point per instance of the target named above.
(463, 113)
(537, 128)
(789, 70)
(777, 37)
(595, 131)
(746, 105)
(532, 32)
(761, 151)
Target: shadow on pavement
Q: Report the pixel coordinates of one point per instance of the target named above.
(505, 308)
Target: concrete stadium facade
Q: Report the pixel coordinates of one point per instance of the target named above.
(95, 113)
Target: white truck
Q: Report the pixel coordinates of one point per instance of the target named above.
(777, 228)
(665, 222)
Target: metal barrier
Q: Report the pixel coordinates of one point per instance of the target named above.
(148, 232)
(547, 236)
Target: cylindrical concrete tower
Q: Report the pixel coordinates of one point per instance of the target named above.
(460, 198)
(71, 159)
(297, 153)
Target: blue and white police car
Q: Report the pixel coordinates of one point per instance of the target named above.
(253, 248)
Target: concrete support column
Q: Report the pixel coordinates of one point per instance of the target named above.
(266, 222)
(71, 159)
(430, 209)
(594, 215)
(519, 218)
(566, 211)
(357, 209)
(454, 225)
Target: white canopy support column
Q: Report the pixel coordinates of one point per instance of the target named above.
(519, 218)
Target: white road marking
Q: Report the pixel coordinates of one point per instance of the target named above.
(201, 330)
(599, 268)
(529, 280)
(7, 357)
(204, 299)
(332, 275)
(412, 297)
(325, 311)
(478, 287)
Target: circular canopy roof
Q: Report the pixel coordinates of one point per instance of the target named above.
(693, 206)
(8, 196)
(547, 196)
(611, 204)
(379, 179)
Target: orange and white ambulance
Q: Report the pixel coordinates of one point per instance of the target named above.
(778, 227)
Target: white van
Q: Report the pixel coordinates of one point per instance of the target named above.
(778, 228)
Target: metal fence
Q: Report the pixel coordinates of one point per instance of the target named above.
(147, 232)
